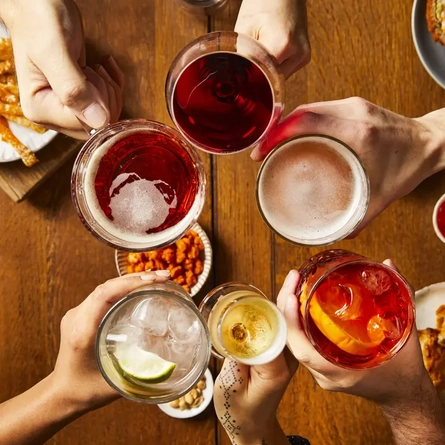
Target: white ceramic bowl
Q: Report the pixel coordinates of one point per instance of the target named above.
(34, 141)
(206, 257)
(436, 209)
(188, 413)
(431, 53)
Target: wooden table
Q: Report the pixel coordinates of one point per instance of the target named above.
(49, 262)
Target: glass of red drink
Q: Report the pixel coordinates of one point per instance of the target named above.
(137, 185)
(224, 92)
(357, 313)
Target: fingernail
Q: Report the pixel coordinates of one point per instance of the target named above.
(147, 277)
(162, 273)
(95, 116)
(111, 60)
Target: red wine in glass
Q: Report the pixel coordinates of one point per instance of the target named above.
(223, 102)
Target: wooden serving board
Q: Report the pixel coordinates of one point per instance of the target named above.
(18, 181)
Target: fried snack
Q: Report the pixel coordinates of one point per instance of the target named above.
(435, 16)
(433, 356)
(440, 325)
(6, 135)
(6, 96)
(10, 110)
(5, 49)
(182, 259)
(7, 67)
(21, 120)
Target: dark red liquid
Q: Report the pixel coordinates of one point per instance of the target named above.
(368, 303)
(151, 157)
(441, 219)
(223, 101)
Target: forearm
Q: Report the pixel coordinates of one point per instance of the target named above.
(36, 415)
(434, 124)
(418, 421)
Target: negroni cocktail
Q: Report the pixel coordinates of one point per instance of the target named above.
(153, 346)
(224, 92)
(138, 185)
(244, 325)
(358, 313)
(312, 190)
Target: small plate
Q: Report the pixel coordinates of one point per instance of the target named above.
(428, 300)
(188, 413)
(206, 257)
(431, 53)
(34, 141)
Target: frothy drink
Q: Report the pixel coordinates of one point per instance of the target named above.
(140, 186)
(312, 190)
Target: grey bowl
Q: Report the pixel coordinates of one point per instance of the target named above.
(431, 53)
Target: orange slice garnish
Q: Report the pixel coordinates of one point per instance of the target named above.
(350, 336)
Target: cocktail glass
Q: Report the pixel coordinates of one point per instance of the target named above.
(244, 325)
(137, 185)
(156, 321)
(357, 313)
(224, 92)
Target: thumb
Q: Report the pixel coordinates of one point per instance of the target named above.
(73, 89)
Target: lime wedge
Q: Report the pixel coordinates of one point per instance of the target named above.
(143, 365)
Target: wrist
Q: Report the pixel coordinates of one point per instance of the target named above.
(62, 397)
(269, 433)
(433, 139)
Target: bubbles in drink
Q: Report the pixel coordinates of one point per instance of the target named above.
(312, 189)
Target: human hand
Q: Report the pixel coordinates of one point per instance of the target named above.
(395, 381)
(76, 374)
(56, 86)
(246, 398)
(281, 26)
(397, 152)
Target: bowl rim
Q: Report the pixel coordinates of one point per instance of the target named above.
(439, 202)
(415, 34)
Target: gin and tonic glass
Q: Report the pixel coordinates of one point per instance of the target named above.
(153, 346)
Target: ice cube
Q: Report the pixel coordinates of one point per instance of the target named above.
(377, 281)
(183, 324)
(151, 315)
(184, 354)
(122, 334)
(380, 327)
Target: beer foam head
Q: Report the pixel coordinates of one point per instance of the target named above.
(312, 190)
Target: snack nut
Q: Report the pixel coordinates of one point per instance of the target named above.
(192, 399)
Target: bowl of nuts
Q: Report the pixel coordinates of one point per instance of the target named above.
(192, 403)
(189, 260)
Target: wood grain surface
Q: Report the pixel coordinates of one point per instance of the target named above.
(49, 262)
(18, 181)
